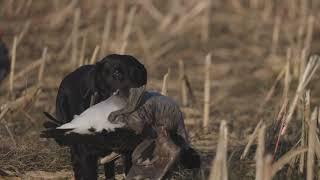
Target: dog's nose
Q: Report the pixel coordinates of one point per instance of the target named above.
(117, 75)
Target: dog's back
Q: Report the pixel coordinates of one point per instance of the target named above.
(73, 94)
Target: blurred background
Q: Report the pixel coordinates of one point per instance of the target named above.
(253, 54)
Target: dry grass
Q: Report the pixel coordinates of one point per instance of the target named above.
(260, 73)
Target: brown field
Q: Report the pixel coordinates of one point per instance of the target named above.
(259, 52)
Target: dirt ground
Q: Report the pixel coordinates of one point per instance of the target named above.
(244, 67)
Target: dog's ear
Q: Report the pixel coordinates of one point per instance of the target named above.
(138, 75)
(90, 83)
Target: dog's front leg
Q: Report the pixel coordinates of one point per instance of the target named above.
(109, 170)
(84, 163)
(127, 162)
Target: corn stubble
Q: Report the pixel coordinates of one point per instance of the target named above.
(123, 31)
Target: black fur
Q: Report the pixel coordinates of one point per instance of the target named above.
(74, 95)
(4, 60)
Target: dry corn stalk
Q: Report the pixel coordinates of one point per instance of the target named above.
(185, 20)
(252, 137)
(127, 29)
(206, 22)
(275, 35)
(308, 40)
(120, 17)
(164, 90)
(151, 9)
(219, 170)
(83, 50)
(144, 43)
(287, 77)
(305, 121)
(286, 158)
(303, 59)
(65, 49)
(11, 135)
(21, 102)
(13, 64)
(267, 167)
(106, 33)
(307, 75)
(162, 50)
(271, 91)
(311, 144)
(94, 55)
(57, 19)
(300, 32)
(23, 32)
(75, 37)
(260, 153)
(207, 85)
(41, 69)
(267, 10)
(292, 9)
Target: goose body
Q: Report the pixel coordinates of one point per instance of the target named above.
(95, 118)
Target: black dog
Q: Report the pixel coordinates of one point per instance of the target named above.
(4, 60)
(149, 125)
(74, 96)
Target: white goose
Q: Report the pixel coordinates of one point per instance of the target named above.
(92, 120)
(95, 118)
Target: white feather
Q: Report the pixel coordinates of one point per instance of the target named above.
(96, 117)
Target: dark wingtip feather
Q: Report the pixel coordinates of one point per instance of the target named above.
(49, 125)
(63, 137)
(53, 119)
(54, 133)
(59, 135)
(120, 140)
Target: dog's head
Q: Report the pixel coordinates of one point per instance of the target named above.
(117, 72)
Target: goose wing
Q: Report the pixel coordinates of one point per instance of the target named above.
(120, 140)
(95, 117)
(153, 158)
